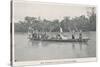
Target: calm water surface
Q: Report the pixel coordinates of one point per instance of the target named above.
(26, 50)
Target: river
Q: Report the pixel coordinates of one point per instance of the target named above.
(26, 50)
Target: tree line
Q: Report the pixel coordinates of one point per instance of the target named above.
(84, 23)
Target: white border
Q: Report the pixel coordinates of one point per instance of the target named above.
(58, 61)
(54, 3)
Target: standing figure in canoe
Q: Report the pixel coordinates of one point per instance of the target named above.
(73, 34)
(80, 35)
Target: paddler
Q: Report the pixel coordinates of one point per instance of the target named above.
(80, 35)
(58, 36)
(73, 34)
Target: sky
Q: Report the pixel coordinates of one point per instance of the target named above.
(49, 11)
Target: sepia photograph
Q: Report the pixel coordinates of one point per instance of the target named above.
(52, 31)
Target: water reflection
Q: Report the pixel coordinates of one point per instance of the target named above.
(37, 44)
(59, 44)
(74, 49)
(80, 44)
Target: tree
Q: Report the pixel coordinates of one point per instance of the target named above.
(92, 18)
(65, 24)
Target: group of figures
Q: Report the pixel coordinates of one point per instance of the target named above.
(80, 35)
(45, 35)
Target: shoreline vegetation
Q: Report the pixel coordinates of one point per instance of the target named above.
(53, 32)
(67, 24)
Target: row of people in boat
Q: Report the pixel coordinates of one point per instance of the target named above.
(40, 36)
(45, 36)
(80, 35)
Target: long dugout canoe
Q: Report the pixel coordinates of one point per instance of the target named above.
(62, 40)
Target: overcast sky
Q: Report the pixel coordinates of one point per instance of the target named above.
(48, 11)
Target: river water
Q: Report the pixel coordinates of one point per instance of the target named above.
(26, 50)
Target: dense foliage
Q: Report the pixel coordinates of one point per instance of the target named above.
(67, 24)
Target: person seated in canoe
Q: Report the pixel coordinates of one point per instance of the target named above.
(44, 36)
(73, 37)
(58, 36)
(35, 34)
(73, 34)
(80, 35)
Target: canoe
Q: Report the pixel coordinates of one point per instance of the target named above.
(62, 40)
